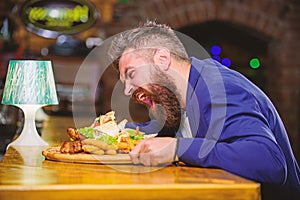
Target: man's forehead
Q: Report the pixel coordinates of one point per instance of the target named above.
(128, 51)
(125, 55)
(128, 55)
(123, 61)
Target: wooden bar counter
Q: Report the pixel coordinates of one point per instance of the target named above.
(25, 174)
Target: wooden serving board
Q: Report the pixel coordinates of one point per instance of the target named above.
(54, 154)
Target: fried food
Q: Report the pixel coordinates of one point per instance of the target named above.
(104, 136)
(71, 147)
(75, 135)
(89, 148)
(111, 152)
(97, 143)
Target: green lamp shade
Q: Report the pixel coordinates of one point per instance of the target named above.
(29, 82)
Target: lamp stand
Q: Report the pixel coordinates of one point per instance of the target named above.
(29, 135)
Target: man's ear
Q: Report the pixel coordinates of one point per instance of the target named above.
(163, 57)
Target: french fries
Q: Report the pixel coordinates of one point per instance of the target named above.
(126, 144)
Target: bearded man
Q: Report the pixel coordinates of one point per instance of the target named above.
(209, 115)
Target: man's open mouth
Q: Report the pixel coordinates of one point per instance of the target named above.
(143, 97)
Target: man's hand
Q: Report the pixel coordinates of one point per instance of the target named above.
(154, 151)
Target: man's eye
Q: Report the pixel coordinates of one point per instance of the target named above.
(131, 74)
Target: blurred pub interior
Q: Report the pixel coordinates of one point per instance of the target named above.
(259, 38)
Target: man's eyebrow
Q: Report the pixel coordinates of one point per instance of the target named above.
(126, 71)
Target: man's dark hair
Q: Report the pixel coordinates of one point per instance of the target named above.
(149, 35)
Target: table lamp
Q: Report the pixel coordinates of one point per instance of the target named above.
(29, 85)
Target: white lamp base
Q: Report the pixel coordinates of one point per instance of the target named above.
(29, 135)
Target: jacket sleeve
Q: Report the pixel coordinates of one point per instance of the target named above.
(256, 158)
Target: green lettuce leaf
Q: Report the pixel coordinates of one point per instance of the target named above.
(134, 136)
(87, 132)
(107, 139)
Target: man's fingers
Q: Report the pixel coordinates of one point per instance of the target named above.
(145, 148)
(154, 151)
(145, 159)
(135, 153)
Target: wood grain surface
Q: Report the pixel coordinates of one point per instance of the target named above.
(54, 154)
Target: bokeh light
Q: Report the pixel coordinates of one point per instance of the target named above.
(254, 63)
(215, 50)
(226, 62)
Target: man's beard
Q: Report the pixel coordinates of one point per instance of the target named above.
(162, 99)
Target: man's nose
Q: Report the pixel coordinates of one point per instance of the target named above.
(128, 90)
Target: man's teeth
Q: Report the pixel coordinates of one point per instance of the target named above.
(141, 97)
